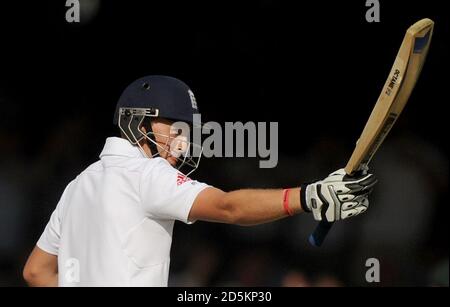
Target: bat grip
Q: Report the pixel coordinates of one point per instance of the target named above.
(320, 233)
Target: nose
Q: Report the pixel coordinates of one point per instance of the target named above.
(178, 146)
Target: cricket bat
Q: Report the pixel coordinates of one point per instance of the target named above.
(393, 98)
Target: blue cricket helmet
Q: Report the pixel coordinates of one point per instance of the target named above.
(169, 97)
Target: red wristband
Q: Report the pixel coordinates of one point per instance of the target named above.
(286, 202)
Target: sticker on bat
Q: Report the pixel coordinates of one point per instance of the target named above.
(393, 82)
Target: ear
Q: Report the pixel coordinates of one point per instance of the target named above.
(146, 126)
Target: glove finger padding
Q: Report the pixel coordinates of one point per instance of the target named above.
(361, 207)
(358, 201)
(346, 197)
(349, 205)
(339, 196)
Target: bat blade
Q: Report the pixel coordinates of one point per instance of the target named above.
(395, 94)
(393, 98)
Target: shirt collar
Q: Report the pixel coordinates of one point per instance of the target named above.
(115, 146)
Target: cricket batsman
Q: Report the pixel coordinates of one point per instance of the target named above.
(113, 223)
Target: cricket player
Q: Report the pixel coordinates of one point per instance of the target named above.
(113, 224)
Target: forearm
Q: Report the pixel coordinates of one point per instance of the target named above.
(252, 207)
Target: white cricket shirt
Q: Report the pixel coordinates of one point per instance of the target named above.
(113, 224)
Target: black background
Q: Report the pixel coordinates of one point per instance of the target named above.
(258, 60)
(314, 67)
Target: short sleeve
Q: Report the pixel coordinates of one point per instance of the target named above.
(50, 238)
(166, 193)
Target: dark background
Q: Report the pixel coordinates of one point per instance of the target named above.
(316, 68)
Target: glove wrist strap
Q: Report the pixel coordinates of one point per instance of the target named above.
(303, 202)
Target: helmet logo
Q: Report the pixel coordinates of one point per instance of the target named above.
(193, 100)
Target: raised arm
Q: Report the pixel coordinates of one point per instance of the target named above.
(336, 197)
(244, 207)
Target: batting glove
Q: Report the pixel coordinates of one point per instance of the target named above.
(337, 197)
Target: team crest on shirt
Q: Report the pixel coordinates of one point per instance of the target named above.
(181, 178)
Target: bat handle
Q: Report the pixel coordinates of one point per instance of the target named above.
(320, 233)
(322, 229)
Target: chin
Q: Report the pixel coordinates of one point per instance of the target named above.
(172, 161)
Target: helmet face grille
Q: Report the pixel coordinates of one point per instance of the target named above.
(130, 123)
(186, 153)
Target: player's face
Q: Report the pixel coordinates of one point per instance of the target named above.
(166, 137)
